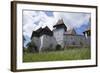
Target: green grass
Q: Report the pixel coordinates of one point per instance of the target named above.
(68, 54)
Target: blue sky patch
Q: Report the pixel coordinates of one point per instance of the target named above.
(49, 13)
(82, 28)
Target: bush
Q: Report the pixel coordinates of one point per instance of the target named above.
(58, 47)
(31, 47)
(24, 49)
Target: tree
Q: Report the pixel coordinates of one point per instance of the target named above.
(32, 47)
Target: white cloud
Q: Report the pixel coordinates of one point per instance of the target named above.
(30, 17)
(72, 20)
(75, 20)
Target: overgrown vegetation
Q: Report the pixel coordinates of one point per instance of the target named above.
(66, 54)
(58, 47)
(31, 48)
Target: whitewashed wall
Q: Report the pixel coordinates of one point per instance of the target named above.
(47, 43)
(59, 36)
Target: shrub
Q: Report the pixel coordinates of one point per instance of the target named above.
(58, 47)
(31, 47)
(24, 49)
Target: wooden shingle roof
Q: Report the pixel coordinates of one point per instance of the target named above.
(42, 31)
(60, 24)
(70, 32)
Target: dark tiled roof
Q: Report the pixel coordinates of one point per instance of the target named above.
(42, 31)
(60, 24)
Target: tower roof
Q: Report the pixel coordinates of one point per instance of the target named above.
(60, 24)
(70, 32)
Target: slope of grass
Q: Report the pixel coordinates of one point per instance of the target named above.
(68, 54)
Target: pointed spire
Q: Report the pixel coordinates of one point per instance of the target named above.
(60, 21)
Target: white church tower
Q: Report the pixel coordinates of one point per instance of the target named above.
(58, 32)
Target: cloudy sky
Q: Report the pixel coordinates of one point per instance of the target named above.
(33, 20)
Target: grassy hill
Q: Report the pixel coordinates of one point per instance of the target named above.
(67, 54)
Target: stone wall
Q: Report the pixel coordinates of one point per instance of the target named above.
(76, 41)
(49, 42)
